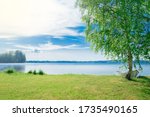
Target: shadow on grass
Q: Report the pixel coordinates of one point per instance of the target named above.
(145, 79)
(144, 84)
(142, 79)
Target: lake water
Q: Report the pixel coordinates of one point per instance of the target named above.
(71, 68)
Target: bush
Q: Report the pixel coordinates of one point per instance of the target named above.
(41, 72)
(30, 72)
(9, 71)
(34, 72)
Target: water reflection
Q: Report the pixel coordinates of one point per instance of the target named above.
(17, 67)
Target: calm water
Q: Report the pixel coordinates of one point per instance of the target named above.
(71, 68)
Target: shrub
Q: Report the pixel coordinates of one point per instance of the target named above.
(41, 72)
(9, 71)
(30, 72)
(34, 72)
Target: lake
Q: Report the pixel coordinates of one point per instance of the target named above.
(71, 68)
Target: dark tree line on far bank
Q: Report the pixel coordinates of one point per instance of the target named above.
(13, 57)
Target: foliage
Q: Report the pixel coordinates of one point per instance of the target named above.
(10, 71)
(12, 57)
(41, 72)
(118, 28)
(30, 72)
(34, 72)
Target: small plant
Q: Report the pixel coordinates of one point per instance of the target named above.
(30, 72)
(34, 72)
(41, 72)
(9, 71)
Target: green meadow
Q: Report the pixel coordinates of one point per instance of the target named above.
(22, 86)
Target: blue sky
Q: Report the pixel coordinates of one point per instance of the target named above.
(44, 30)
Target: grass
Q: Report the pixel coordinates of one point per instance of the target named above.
(21, 86)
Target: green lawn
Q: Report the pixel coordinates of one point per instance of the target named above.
(26, 86)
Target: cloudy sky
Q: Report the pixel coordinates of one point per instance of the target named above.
(44, 30)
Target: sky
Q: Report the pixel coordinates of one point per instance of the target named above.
(44, 30)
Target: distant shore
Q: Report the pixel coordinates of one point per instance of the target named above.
(105, 62)
(64, 61)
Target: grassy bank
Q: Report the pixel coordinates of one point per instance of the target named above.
(29, 86)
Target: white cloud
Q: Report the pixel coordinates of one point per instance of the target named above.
(44, 47)
(37, 17)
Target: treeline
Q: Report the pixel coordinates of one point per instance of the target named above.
(13, 57)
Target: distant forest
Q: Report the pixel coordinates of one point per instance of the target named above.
(13, 57)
